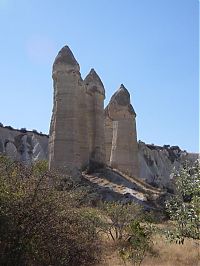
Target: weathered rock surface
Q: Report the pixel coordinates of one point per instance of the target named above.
(95, 104)
(112, 185)
(77, 125)
(156, 162)
(120, 133)
(67, 148)
(23, 146)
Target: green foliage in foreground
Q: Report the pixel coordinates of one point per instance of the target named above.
(40, 225)
(126, 225)
(46, 220)
(138, 244)
(184, 206)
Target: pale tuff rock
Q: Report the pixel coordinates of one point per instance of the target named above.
(83, 122)
(65, 60)
(120, 133)
(95, 112)
(64, 142)
(77, 124)
(77, 136)
(156, 162)
(11, 151)
(25, 147)
(83, 134)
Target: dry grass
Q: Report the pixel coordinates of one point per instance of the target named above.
(168, 254)
(171, 254)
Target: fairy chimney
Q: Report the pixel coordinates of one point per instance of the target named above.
(120, 133)
(95, 103)
(66, 148)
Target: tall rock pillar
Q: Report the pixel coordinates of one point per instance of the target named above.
(120, 131)
(83, 125)
(64, 141)
(95, 102)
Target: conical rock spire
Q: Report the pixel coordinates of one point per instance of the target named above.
(120, 133)
(121, 98)
(94, 83)
(66, 57)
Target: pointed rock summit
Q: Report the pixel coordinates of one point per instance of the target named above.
(122, 96)
(81, 132)
(66, 57)
(94, 83)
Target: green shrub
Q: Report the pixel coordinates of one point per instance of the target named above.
(138, 243)
(40, 225)
(184, 207)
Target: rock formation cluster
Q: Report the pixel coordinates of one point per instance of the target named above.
(155, 162)
(81, 132)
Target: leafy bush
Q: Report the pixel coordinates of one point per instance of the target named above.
(40, 225)
(138, 243)
(184, 207)
(119, 217)
(126, 224)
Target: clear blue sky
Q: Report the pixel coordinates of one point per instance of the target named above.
(151, 46)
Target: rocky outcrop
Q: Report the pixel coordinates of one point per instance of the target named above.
(95, 104)
(156, 162)
(82, 134)
(77, 124)
(120, 133)
(22, 145)
(67, 148)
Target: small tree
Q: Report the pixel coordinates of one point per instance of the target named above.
(119, 217)
(184, 206)
(138, 244)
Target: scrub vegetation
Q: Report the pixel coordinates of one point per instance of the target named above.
(47, 219)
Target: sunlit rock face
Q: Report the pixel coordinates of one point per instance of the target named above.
(158, 163)
(95, 113)
(24, 146)
(68, 145)
(83, 134)
(77, 124)
(120, 133)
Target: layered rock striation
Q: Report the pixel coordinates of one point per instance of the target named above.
(95, 104)
(66, 150)
(83, 134)
(120, 133)
(23, 145)
(156, 162)
(77, 124)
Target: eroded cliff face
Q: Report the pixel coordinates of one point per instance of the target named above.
(22, 145)
(156, 163)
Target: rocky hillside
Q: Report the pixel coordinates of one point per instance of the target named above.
(23, 145)
(156, 162)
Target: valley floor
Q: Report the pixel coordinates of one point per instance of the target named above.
(168, 254)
